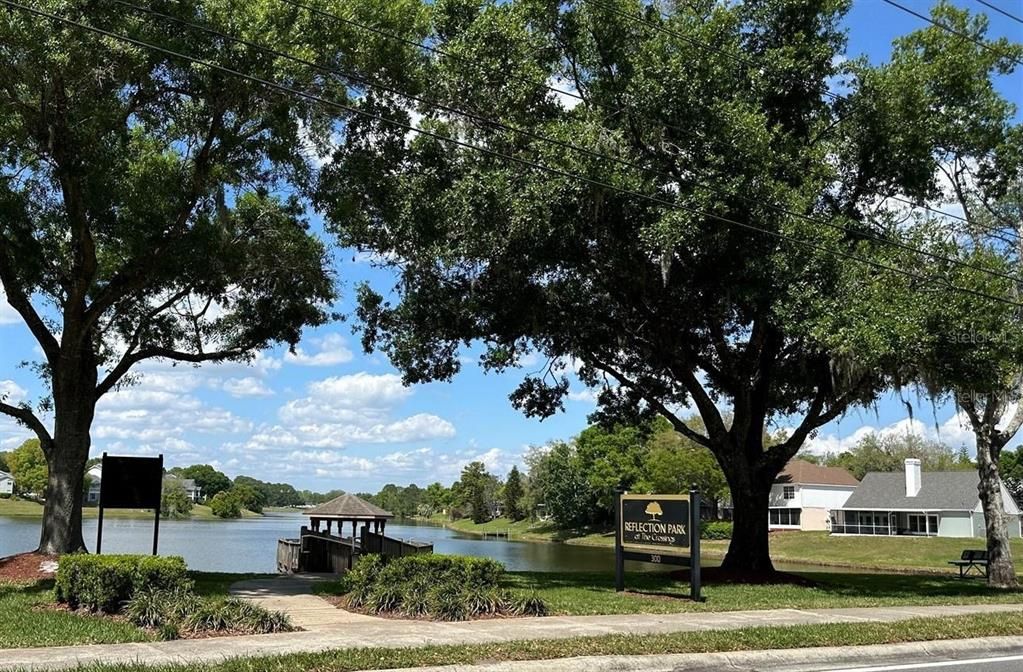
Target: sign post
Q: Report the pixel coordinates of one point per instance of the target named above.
(661, 529)
(130, 483)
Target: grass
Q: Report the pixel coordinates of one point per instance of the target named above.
(879, 553)
(747, 639)
(23, 508)
(573, 593)
(29, 617)
(895, 554)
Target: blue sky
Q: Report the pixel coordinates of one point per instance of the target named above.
(331, 417)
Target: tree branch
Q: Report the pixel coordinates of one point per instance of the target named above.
(29, 419)
(679, 426)
(18, 300)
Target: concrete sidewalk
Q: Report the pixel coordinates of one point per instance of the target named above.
(325, 631)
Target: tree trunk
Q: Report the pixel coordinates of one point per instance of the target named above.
(749, 550)
(74, 409)
(1001, 570)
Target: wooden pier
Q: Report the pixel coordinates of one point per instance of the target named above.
(320, 551)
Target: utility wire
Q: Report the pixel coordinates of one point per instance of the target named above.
(739, 59)
(1001, 11)
(573, 94)
(487, 121)
(958, 33)
(490, 152)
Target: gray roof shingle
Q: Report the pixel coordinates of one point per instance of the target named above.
(939, 491)
(348, 506)
(4, 474)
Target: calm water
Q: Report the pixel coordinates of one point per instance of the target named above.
(250, 545)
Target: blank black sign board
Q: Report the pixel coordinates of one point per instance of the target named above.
(130, 483)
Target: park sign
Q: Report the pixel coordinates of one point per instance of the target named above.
(658, 529)
(658, 522)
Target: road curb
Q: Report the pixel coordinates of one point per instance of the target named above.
(780, 660)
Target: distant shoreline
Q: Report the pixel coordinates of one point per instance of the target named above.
(25, 509)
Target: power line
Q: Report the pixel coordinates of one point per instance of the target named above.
(573, 94)
(998, 9)
(484, 150)
(554, 141)
(750, 63)
(958, 33)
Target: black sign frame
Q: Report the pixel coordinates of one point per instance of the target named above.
(130, 483)
(682, 550)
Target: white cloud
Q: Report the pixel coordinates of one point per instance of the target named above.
(7, 314)
(586, 395)
(954, 432)
(250, 386)
(11, 392)
(331, 351)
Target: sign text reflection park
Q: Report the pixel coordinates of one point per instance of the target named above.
(661, 529)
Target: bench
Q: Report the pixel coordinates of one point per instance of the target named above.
(971, 560)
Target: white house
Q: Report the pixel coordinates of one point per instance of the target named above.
(95, 476)
(6, 483)
(804, 494)
(917, 503)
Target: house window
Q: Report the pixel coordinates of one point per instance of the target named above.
(788, 492)
(784, 517)
(923, 524)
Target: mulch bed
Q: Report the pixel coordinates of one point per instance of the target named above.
(710, 575)
(26, 567)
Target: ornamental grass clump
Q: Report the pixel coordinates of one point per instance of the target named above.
(445, 587)
(156, 593)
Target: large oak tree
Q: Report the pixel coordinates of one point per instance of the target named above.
(142, 206)
(664, 273)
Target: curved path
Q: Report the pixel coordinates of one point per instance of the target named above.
(328, 628)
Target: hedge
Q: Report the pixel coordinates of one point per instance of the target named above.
(716, 529)
(449, 587)
(106, 582)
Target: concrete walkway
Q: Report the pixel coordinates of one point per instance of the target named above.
(328, 628)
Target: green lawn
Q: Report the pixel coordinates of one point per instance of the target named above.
(29, 617)
(748, 639)
(884, 553)
(808, 548)
(586, 593)
(26, 509)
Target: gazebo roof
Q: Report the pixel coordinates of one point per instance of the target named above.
(348, 507)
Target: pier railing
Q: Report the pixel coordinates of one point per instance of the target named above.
(321, 552)
(391, 547)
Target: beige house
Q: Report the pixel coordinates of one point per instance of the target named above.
(805, 494)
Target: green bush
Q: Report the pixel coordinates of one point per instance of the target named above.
(526, 604)
(716, 529)
(106, 582)
(226, 505)
(448, 587)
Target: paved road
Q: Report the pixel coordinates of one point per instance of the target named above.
(1002, 663)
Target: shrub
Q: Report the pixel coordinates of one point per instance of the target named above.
(106, 582)
(448, 587)
(716, 529)
(526, 604)
(230, 613)
(154, 608)
(169, 632)
(449, 603)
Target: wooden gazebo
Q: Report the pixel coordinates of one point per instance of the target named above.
(348, 508)
(320, 550)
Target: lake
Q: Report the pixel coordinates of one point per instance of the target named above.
(250, 544)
